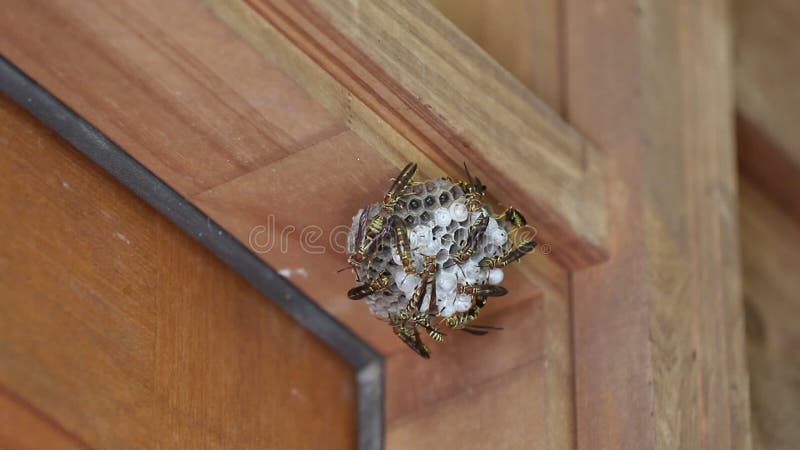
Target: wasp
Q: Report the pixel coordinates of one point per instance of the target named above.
(418, 318)
(398, 187)
(459, 321)
(370, 287)
(377, 226)
(402, 244)
(433, 332)
(428, 271)
(405, 323)
(481, 290)
(513, 216)
(512, 255)
(475, 234)
(409, 334)
(372, 232)
(480, 293)
(473, 191)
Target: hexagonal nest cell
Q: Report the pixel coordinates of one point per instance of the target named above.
(441, 218)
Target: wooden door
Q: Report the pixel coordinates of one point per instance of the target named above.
(117, 330)
(613, 131)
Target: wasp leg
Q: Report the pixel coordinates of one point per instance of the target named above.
(410, 335)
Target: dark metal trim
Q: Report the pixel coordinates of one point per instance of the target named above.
(368, 364)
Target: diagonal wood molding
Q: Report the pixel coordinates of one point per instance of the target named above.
(405, 79)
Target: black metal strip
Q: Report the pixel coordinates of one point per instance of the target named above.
(367, 363)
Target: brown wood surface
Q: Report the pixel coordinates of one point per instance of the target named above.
(767, 40)
(252, 134)
(119, 331)
(23, 427)
(768, 101)
(657, 344)
(531, 406)
(768, 165)
(629, 395)
(401, 74)
(524, 36)
(770, 258)
(768, 71)
(658, 329)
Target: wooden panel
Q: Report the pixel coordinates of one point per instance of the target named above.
(770, 258)
(304, 158)
(119, 330)
(508, 134)
(612, 385)
(405, 79)
(768, 101)
(524, 36)
(658, 329)
(768, 165)
(532, 405)
(768, 96)
(768, 70)
(23, 427)
(527, 404)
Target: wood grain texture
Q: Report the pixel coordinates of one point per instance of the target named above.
(770, 257)
(523, 36)
(768, 70)
(613, 377)
(525, 402)
(23, 427)
(155, 82)
(768, 97)
(536, 60)
(658, 330)
(768, 100)
(121, 331)
(768, 165)
(407, 80)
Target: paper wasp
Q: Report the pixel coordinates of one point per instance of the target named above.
(475, 234)
(410, 335)
(473, 191)
(512, 255)
(429, 271)
(377, 225)
(402, 244)
(400, 184)
(405, 323)
(480, 293)
(481, 290)
(370, 287)
(371, 235)
(514, 217)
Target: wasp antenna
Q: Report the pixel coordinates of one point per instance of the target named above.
(485, 327)
(469, 176)
(474, 332)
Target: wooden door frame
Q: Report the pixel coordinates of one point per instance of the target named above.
(367, 364)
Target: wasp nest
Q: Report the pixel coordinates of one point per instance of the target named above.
(431, 250)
